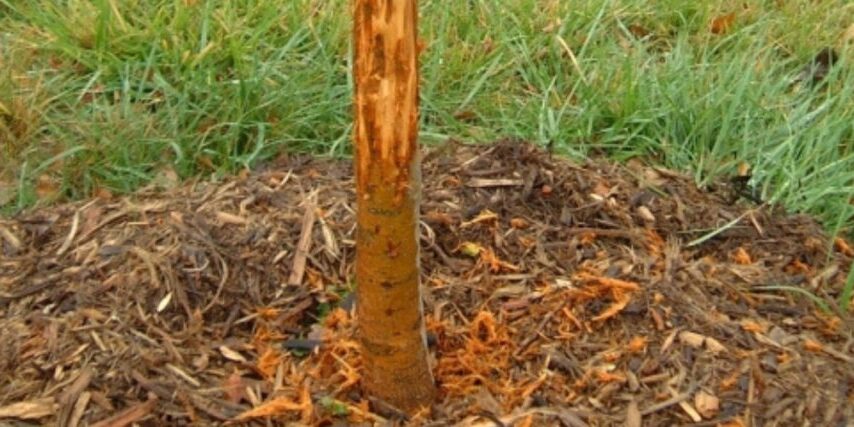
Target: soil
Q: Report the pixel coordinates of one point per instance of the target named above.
(556, 293)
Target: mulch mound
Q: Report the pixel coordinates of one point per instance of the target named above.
(556, 294)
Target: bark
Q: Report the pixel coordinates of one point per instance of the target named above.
(391, 327)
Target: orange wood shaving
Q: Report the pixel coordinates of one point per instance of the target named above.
(566, 312)
(519, 223)
(587, 239)
(612, 356)
(338, 318)
(267, 313)
(784, 358)
(752, 326)
(798, 267)
(608, 282)
(268, 363)
(526, 422)
(730, 381)
(361, 410)
(277, 406)
(621, 300)
(735, 422)
(609, 377)
(526, 242)
(305, 403)
(637, 344)
(488, 257)
(742, 257)
(813, 346)
(263, 336)
(843, 247)
(654, 243)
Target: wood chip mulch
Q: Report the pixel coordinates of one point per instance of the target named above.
(556, 294)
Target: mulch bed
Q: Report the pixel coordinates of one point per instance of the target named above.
(556, 294)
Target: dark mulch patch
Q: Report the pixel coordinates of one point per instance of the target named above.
(556, 293)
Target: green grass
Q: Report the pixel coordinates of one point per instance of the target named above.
(108, 95)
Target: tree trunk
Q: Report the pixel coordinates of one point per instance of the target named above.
(388, 181)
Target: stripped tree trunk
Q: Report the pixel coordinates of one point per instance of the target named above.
(388, 182)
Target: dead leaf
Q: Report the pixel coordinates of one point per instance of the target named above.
(645, 214)
(601, 190)
(30, 409)
(470, 249)
(691, 339)
(640, 32)
(707, 405)
(103, 193)
(436, 217)
(465, 115)
(519, 223)
(551, 26)
(7, 193)
(46, 188)
(714, 345)
(232, 355)
(166, 178)
(848, 35)
(488, 44)
(722, 24)
(696, 340)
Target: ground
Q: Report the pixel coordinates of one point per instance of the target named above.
(108, 95)
(556, 293)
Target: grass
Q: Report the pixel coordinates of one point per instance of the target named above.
(107, 95)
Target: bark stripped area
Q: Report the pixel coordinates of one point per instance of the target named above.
(388, 183)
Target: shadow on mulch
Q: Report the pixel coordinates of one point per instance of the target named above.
(556, 294)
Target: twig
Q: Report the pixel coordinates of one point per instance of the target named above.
(69, 398)
(304, 245)
(494, 182)
(666, 404)
(129, 415)
(675, 400)
(10, 238)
